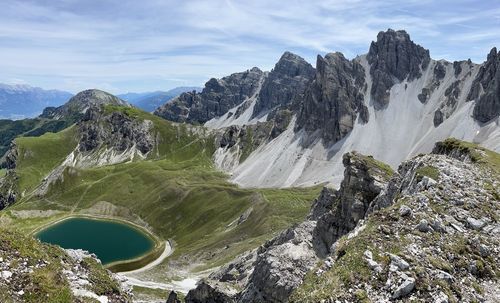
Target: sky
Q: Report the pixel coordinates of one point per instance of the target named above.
(148, 45)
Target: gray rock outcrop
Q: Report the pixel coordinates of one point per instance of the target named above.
(115, 130)
(394, 57)
(485, 89)
(284, 84)
(334, 99)
(173, 298)
(363, 181)
(206, 293)
(216, 98)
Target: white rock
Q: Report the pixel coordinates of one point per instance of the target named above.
(405, 288)
(475, 224)
(399, 262)
(6, 274)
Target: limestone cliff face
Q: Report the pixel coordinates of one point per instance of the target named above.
(485, 89)
(115, 130)
(394, 57)
(364, 179)
(284, 84)
(334, 99)
(216, 98)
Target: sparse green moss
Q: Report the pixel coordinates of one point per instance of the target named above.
(379, 166)
(101, 280)
(362, 296)
(427, 171)
(475, 152)
(43, 284)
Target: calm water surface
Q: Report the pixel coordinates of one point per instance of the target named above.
(110, 241)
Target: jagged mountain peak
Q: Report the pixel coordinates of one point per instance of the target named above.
(394, 57)
(292, 65)
(485, 89)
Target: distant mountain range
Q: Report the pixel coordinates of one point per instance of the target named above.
(149, 101)
(24, 101)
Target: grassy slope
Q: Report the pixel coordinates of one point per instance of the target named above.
(38, 156)
(44, 283)
(176, 191)
(11, 129)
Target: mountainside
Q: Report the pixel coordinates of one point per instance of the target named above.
(54, 119)
(120, 162)
(393, 103)
(24, 101)
(426, 233)
(151, 100)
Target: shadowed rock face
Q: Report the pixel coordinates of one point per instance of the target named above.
(115, 130)
(486, 89)
(394, 57)
(216, 98)
(285, 83)
(334, 99)
(363, 181)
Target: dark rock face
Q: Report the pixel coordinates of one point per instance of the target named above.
(8, 183)
(334, 98)
(363, 181)
(438, 117)
(8, 189)
(286, 82)
(115, 130)
(457, 67)
(485, 89)
(10, 157)
(172, 298)
(394, 57)
(205, 293)
(439, 71)
(216, 98)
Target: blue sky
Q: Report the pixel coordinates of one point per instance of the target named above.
(147, 45)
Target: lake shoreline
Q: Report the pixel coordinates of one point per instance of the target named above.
(152, 255)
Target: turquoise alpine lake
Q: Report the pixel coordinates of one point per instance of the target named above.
(111, 241)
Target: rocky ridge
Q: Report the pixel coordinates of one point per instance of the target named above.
(34, 272)
(216, 98)
(384, 236)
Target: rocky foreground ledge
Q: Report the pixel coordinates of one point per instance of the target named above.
(31, 271)
(426, 233)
